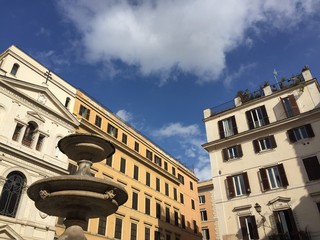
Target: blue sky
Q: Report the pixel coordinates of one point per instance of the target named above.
(159, 64)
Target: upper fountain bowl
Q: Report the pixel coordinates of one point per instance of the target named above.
(86, 147)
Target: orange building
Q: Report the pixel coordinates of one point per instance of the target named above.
(163, 198)
(206, 206)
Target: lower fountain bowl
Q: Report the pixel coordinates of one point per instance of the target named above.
(77, 197)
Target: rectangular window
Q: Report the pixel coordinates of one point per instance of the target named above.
(149, 154)
(102, 226)
(136, 172)
(180, 178)
(40, 142)
(195, 226)
(300, 133)
(191, 185)
(109, 161)
(312, 167)
(133, 235)
(202, 199)
(192, 204)
(232, 152)
(166, 189)
(248, 227)
(147, 206)
(263, 144)
(157, 160)
(273, 177)
(183, 221)
(123, 165)
(118, 229)
(168, 214)
(181, 198)
(98, 121)
(168, 237)
(257, 117)
(173, 171)
(84, 112)
(238, 185)
(157, 235)
(124, 138)
(176, 218)
(146, 233)
(17, 132)
(227, 127)
(175, 194)
(166, 166)
(205, 234)
(203, 215)
(136, 146)
(112, 131)
(290, 106)
(158, 184)
(134, 200)
(158, 210)
(148, 179)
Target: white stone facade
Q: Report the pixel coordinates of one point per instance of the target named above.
(266, 151)
(33, 118)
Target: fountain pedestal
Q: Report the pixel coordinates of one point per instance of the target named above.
(79, 197)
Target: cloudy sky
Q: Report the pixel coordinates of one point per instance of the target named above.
(159, 63)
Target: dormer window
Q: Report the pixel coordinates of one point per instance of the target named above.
(14, 69)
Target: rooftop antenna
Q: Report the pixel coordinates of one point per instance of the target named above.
(275, 74)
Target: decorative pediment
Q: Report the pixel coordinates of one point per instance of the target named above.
(279, 203)
(6, 232)
(39, 98)
(242, 210)
(36, 115)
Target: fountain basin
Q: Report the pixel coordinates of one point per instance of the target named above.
(77, 197)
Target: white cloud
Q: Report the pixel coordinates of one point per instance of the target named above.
(193, 35)
(124, 115)
(240, 72)
(176, 129)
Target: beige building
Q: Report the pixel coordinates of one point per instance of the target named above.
(163, 198)
(206, 206)
(264, 154)
(32, 120)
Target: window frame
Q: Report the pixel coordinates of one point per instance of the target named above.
(264, 144)
(227, 127)
(290, 106)
(301, 130)
(257, 117)
(232, 153)
(266, 181)
(242, 185)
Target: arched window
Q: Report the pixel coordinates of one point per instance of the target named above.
(11, 194)
(29, 134)
(14, 69)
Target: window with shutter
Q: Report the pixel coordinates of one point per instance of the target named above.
(238, 185)
(232, 152)
(227, 127)
(300, 133)
(265, 143)
(273, 177)
(290, 105)
(249, 228)
(312, 167)
(257, 117)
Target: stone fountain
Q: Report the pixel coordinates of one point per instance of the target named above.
(80, 196)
